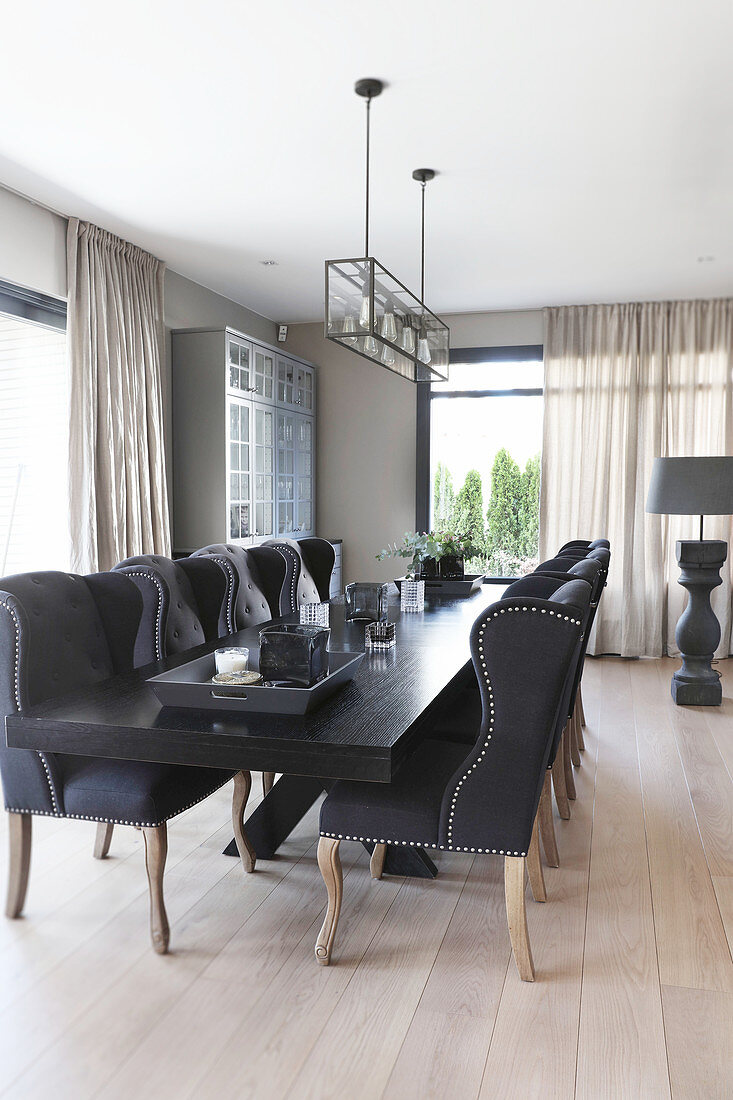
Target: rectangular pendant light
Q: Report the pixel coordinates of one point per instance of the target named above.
(372, 313)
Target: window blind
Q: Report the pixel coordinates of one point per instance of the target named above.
(33, 447)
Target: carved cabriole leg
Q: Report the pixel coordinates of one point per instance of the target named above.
(558, 782)
(376, 863)
(20, 832)
(242, 787)
(547, 825)
(566, 762)
(534, 866)
(573, 730)
(581, 710)
(103, 839)
(581, 720)
(329, 862)
(516, 913)
(156, 849)
(268, 781)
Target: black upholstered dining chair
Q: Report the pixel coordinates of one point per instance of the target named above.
(583, 545)
(310, 565)
(257, 582)
(60, 633)
(185, 603)
(480, 798)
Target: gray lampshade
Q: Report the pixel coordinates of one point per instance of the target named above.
(692, 486)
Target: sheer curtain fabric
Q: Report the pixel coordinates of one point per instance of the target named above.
(118, 491)
(624, 384)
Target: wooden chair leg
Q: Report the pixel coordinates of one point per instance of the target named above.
(581, 711)
(573, 725)
(547, 825)
(329, 862)
(20, 832)
(558, 782)
(268, 782)
(534, 866)
(566, 763)
(516, 913)
(376, 863)
(103, 839)
(156, 850)
(242, 787)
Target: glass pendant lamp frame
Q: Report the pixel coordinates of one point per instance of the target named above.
(371, 312)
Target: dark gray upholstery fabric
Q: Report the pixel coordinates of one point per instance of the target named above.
(185, 603)
(310, 564)
(59, 633)
(489, 801)
(257, 577)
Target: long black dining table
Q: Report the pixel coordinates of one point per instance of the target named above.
(362, 732)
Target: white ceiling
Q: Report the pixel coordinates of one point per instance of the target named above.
(585, 151)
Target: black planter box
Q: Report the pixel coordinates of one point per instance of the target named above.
(436, 586)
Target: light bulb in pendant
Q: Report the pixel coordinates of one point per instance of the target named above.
(347, 327)
(408, 339)
(370, 345)
(423, 350)
(388, 356)
(389, 328)
(364, 312)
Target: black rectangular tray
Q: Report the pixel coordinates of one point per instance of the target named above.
(190, 685)
(459, 587)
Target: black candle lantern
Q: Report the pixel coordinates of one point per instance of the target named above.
(366, 600)
(293, 654)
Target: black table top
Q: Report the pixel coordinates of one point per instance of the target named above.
(361, 732)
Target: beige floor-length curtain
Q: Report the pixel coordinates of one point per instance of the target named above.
(624, 384)
(118, 492)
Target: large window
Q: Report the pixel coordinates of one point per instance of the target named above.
(34, 525)
(484, 430)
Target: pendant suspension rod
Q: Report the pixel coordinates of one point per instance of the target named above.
(368, 89)
(422, 247)
(423, 176)
(366, 228)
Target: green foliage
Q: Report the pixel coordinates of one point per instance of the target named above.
(468, 514)
(444, 497)
(529, 509)
(416, 545)
(513, 514)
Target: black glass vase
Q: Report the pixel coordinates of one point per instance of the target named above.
(452, 568)
(366, 600)
(427, 569)
(293, 654)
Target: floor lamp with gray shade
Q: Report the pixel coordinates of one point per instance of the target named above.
(696, 487)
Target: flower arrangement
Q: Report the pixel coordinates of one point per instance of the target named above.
(418, 546)
(453, 544)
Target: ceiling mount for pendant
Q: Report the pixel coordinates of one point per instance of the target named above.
(371, 312)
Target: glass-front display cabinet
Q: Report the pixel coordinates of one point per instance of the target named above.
(244, 431)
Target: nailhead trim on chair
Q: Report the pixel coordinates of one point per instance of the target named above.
(424, 844)
(159, 610)
(16, 690)
(296, 566)
(482, 754)
(226, 565)
(117, 821)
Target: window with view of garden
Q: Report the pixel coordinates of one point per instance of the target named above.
(485, 442)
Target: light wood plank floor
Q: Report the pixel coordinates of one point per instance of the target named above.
(634, 990)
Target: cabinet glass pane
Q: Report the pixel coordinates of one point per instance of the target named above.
(305, 513)
(304, 488)
(233, 422)
(234, 456)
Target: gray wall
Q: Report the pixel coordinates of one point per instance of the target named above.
(32, 246)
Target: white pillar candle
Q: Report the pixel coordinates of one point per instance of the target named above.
(232, 659)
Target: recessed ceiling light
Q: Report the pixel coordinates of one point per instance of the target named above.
(705, 259)
(269, 263)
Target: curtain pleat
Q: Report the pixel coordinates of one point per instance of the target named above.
(118, 488)
(623, 385)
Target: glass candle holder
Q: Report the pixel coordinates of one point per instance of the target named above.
(231, 659)
(412, 595)
(366, 600)
(380, 636)
(294, 654)
(315, 613)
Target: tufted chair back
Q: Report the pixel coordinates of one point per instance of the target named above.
(588, 569)
(58, 632)
(257, 576)
(310, 565)
(522, 650)
(580, 593)
(185, 603)
(583, 545)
